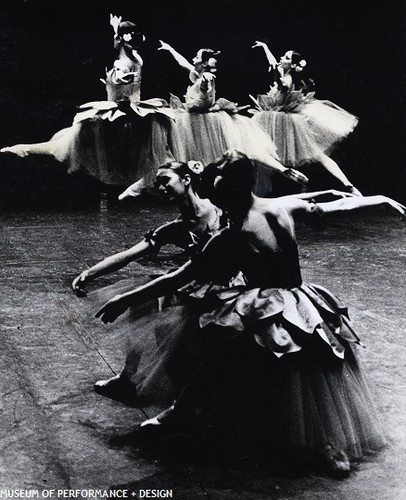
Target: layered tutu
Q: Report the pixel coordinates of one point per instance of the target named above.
(116, 142)
(278, 364)
(302, 127)
(206, 135)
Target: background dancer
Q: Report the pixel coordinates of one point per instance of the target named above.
(119, 140)
(205, 127)
(303, 128)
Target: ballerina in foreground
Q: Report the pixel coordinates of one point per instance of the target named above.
(249, 349)
(199, 220)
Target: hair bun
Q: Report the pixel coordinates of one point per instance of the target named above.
(195, 166)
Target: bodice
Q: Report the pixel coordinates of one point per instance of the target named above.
(230, 253)
(201, 95)
(120, 91)
(271, 269)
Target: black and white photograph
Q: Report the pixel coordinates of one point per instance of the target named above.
(203, 246)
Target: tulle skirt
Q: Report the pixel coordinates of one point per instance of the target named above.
(304, 136)
(210, 354)
(206, 136)
(119, 152)
(116, 142)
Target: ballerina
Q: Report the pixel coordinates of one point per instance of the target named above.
(122, 139)
(303, 128)
(205, 127)
(199, 220)
(275, 357)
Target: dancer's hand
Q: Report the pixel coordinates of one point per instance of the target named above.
(21, 150)
(394, 204)
(164, 46)
(295, 176)
(114, 22)
(259, 44)
(112, 309)
(78, 285)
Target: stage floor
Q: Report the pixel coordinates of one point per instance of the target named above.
(56, 433)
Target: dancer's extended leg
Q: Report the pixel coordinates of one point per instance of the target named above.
(22, 150)
(332, 167)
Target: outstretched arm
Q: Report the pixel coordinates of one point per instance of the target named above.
(182, 61)
(356, 202)
(271, 58)
(157, 288)
(297, 206)
(109, 265)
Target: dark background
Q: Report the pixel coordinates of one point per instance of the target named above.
(53, 53)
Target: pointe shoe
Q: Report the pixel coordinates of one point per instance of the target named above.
(162, 419)
(336, 463)
(20, 150)
(118, 388)
(296, 176)
(133, 191)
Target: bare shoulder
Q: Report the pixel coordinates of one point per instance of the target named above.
(273, 207)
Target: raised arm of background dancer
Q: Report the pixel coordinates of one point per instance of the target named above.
(182, 61)
(157, 288)
(109, 265)
(271, 58)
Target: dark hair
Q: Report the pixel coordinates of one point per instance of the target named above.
(206, 54)
(207, 58)
(238, 177)
(180, 168)
(129, 27)
(296, 57)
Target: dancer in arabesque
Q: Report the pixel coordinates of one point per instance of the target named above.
(304, 129)
(122, 139)
(248, 348)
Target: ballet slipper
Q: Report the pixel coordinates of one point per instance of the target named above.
(336, 463)
(164, 418)
(20, 150)
(118, 388)
(295, 176)
(133, 191)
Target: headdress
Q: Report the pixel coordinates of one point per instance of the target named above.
(195, 166)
